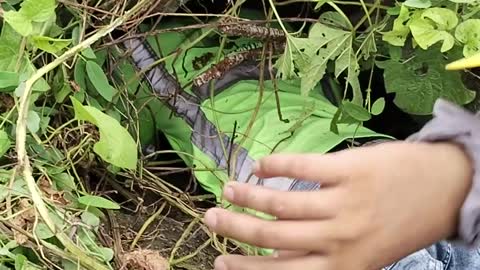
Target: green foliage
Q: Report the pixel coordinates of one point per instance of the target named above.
(116, 145)
(468, 33)
(100, 80)
(422, 80)
(31, 16)
(95, 201)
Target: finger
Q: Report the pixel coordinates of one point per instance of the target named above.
(237, 262)
(325, 169)
(290, 253)
(281, 234)
(284, 204)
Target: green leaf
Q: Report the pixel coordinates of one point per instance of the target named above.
(33, 121)
(90, 219)
(19, 22)
(399, 33)
(378, 106)
(5, 142)
(79, 74)
(20, 262)
(8, 79)
(284, 64)
(418, 3)
(418, 83)
(31, 11)
(468, 33)
(50, 45)
(107, 253)
(348, 61)
(100, 202)
(10, 57)
(100, 81)
(326, 44)
(334, 19)
(115, 146)
(433, 27)
(64, 181)
(38, 10)
(357, 112)
(88, 53)
(43, 232)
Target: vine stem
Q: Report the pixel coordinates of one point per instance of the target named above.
(23, 164)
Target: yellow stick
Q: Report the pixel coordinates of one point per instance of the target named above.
(468, 62)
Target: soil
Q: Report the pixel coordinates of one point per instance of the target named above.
(162, 236)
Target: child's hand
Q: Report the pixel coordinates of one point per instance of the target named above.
(376, 205)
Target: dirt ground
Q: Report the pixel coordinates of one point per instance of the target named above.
(162, 236)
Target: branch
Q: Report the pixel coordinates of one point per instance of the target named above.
(21, 134)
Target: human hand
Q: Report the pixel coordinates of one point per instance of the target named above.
(376, 205)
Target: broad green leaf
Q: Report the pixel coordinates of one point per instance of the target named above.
(399, 33)
(378, 106)
(116, 145)
(5, 142)
(90, 219)
(100, 202)
(418, 83)
(8, 79)
(33, 121)
(100, 81)
(19, 22)
(79, 74)
(9, 58)
(31, 11)
(468, 33)
(329, 43)
(20, 262)
(42, 231)
(357, 112)
(88, 53)
(334, 19)
(38, 10)
(433, 27)
(107, 253)
(50, 45)
(64, 181)
(61, 93)
(418, 3)
(443, 18)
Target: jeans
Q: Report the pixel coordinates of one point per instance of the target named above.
(441, 256)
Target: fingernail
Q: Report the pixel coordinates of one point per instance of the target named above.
(275, 254)
(228, 192)
(220, 265)
(210, 218)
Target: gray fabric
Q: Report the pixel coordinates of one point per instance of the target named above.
(453, 123)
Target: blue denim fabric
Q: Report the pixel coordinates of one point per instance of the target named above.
(441, 256)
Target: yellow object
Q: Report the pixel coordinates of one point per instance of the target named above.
(468, 62)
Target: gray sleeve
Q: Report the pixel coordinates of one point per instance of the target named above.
(455, 124)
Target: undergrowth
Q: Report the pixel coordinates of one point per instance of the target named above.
(72, 139)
